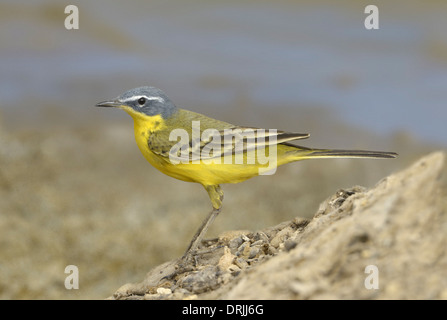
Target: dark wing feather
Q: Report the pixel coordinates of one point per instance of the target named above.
(218, 143)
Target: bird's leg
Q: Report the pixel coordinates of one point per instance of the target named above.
(216, 195)
(185, 264)
(197, 239)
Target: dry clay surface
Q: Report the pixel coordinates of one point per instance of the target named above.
(388, 242)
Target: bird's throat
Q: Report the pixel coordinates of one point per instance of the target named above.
(145, 123)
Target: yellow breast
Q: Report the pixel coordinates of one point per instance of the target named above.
(143, 126)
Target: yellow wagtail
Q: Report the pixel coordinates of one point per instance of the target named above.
(210, 151)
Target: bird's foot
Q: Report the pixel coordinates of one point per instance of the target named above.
(190, 261)
(186, 263)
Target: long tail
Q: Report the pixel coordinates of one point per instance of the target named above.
(328, 153)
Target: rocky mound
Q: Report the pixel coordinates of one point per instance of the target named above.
(388, 242)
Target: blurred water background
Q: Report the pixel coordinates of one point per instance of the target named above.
(301, 54)
(74, 188)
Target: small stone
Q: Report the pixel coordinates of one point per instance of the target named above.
(290, 244)
(164, 291)
(227, 236)
(241, 263)
(234, 269)
(253, 252)
(243, 250)
(281, 236)
(200, 281)
(271, 251)
(235, 243)
(226, 260)
(258, 243)
(246, 251)
(260, 236)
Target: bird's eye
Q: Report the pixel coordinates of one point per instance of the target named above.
(141, 101)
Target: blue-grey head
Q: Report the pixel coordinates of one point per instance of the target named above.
(148, 101)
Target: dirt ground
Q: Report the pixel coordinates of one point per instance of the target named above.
(387, 242)
(84, 196)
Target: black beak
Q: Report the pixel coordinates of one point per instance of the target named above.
(114, 103)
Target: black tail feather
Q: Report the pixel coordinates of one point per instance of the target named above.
(327, 153)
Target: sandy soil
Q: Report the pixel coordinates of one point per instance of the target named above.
(85, 196)
(384, 243)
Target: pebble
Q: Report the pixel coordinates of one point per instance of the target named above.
(164, 291)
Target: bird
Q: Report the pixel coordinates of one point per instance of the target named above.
(192, 147)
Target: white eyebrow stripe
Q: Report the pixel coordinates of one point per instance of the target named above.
(159, 99)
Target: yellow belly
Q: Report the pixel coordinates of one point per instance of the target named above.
(230, 170)
(207, 173)
(204, 173)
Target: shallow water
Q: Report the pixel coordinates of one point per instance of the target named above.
(299, 54)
